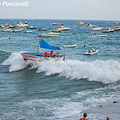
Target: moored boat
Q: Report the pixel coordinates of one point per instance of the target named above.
(18, 30)
(49, 34)
(96, 35)
(69, 46)
(62, 28)
(96, 28)
(107, 30)
(20, 24)
(31, 27)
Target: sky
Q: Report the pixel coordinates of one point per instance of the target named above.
(61, 9)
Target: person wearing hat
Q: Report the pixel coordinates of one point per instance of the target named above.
(84, 117)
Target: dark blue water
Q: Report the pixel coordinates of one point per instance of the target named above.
(58, 90)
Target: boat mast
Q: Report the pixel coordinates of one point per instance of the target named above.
(38, 45)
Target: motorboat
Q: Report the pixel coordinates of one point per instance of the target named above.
(96, 28)
(107, 30)
(117, 28)
(57, 30)
(18, 30)
(31, 27)
(43, 56)
(10, 26)
(20, 24)
(96, 35)
(69, 46)
(42, 29)
(62, 28)
(90, 52)
(90, 25)
(6, 30)
(56, 23)
(80, 23)
(49, 34)
(28, 31)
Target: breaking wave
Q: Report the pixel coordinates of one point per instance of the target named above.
(98, 70)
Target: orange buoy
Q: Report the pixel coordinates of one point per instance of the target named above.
(25, 56)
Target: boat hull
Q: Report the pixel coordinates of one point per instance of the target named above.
(91, 53)
(69, 46)
(39, 57)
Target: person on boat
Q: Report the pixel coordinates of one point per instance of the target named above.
(51, 53)
(45, 54)
(57, 54)
(84, 117)
(89, 51)
(93, 50)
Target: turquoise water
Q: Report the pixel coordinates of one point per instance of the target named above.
(58, 90)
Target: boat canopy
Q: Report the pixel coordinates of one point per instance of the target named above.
(45, 45)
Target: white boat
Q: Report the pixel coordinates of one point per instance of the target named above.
(31, 27)
(62, 28)
(96, 28)
(91, 52)
(107, 30)
(43, 56)
(69, 46)
(96, 35)
(56, 23)
(20, 24)
(49, 34)
(90, 25)
(117, 28)
(6, 30)
(18, 30)
(28, 31)
(80, 23)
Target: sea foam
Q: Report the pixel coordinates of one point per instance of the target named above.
(98, 70)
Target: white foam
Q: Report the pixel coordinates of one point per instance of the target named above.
(101, 71)
(15, 61)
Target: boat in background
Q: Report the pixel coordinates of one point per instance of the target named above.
(18, 30)
(62, 28)
(20, 24)
(56, 23)
(43, 56)
(80, 23)
(7, 30)
(31, 27)
(108, 30)
(91, 52)
(96, 35)
(28, 31)
(96, 28)
(69, 46)
(49, 34)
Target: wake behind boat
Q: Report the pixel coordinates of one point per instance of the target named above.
(43, 56)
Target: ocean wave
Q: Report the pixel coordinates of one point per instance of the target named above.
(98, 70)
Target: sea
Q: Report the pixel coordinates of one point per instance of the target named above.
(58, 90)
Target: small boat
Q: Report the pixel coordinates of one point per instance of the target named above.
(96, 28)
(91, 52)
(57, 30)
(80, 23)
(49, 34)
(43, 56)
(28, 31)
(117, 28)
(31, 27)
(90, 25)
(107, 30)
(18, 30)
(10, 26)
(20, 24)
(69, 46)
(96, 35)
(56, 23)
(6, 30)
(42, 29)
(62, 28)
